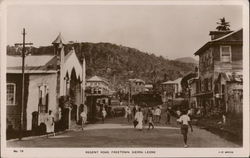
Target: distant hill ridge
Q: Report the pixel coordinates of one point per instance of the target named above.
(187, 60)
(119, 63)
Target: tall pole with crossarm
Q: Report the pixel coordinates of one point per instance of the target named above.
(23, 83)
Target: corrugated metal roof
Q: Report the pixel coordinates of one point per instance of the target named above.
(32, 60)
(33, 64)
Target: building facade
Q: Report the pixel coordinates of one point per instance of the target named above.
(221, 55)
(135, 86)
(98, 85)
(171, 89)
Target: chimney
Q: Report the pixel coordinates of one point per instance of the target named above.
(217, 34)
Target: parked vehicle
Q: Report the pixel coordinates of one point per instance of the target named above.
(117, 111)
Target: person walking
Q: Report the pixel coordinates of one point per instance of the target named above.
(185, 122)
(154, 114)
(145, 113)
(104, 113)
(150, 119)
(178, 113)
(84, 117)
(85, 108)
(128, 113)
(160, 107)
(50, 124)
(168, 116)
(139, 119)
(157, 114)
(134, 111)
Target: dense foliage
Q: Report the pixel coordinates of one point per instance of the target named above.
(118, 63)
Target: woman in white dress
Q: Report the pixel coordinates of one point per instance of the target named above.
(50, 123)
(84, 117)
(104, 113)
(139, 119)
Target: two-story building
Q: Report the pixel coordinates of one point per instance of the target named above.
(220, 71)
(98, 85)
(171, 89)
(135, 86)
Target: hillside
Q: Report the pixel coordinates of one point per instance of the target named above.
(187, 60)
(118, 63)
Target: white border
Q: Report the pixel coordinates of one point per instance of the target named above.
(160, 152)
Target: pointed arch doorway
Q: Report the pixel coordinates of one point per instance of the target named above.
(75, 96)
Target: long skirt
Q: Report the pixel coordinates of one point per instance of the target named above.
(139, 125)
(50, 127)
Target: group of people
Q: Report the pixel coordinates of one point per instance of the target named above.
(145, 115)
(140, 116)
(150, 115)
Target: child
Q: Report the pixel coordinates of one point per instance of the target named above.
(150, 119)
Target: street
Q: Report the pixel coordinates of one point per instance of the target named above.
(116, 132)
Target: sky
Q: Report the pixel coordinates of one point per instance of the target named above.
(171, 31)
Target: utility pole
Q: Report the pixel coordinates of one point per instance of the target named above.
(129, 92)
(23, 82)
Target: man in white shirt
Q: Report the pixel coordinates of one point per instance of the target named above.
(84, 117)
(128, 112)
(185, 122)
(158, 114)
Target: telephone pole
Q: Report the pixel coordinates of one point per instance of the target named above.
(23, 82)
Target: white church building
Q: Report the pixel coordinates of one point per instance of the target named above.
(52, 82)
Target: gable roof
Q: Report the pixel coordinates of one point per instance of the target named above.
(137, 80)
(71, 62)
(97, 79)
(43, 63)
(177, 81)
(234, 37)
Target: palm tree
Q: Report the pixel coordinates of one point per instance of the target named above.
(223, 25)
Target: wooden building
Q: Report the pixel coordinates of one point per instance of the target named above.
(221, 55)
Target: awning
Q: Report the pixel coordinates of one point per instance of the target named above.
(231, 76)
(203, 94)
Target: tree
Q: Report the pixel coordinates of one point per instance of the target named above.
(223, 25)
